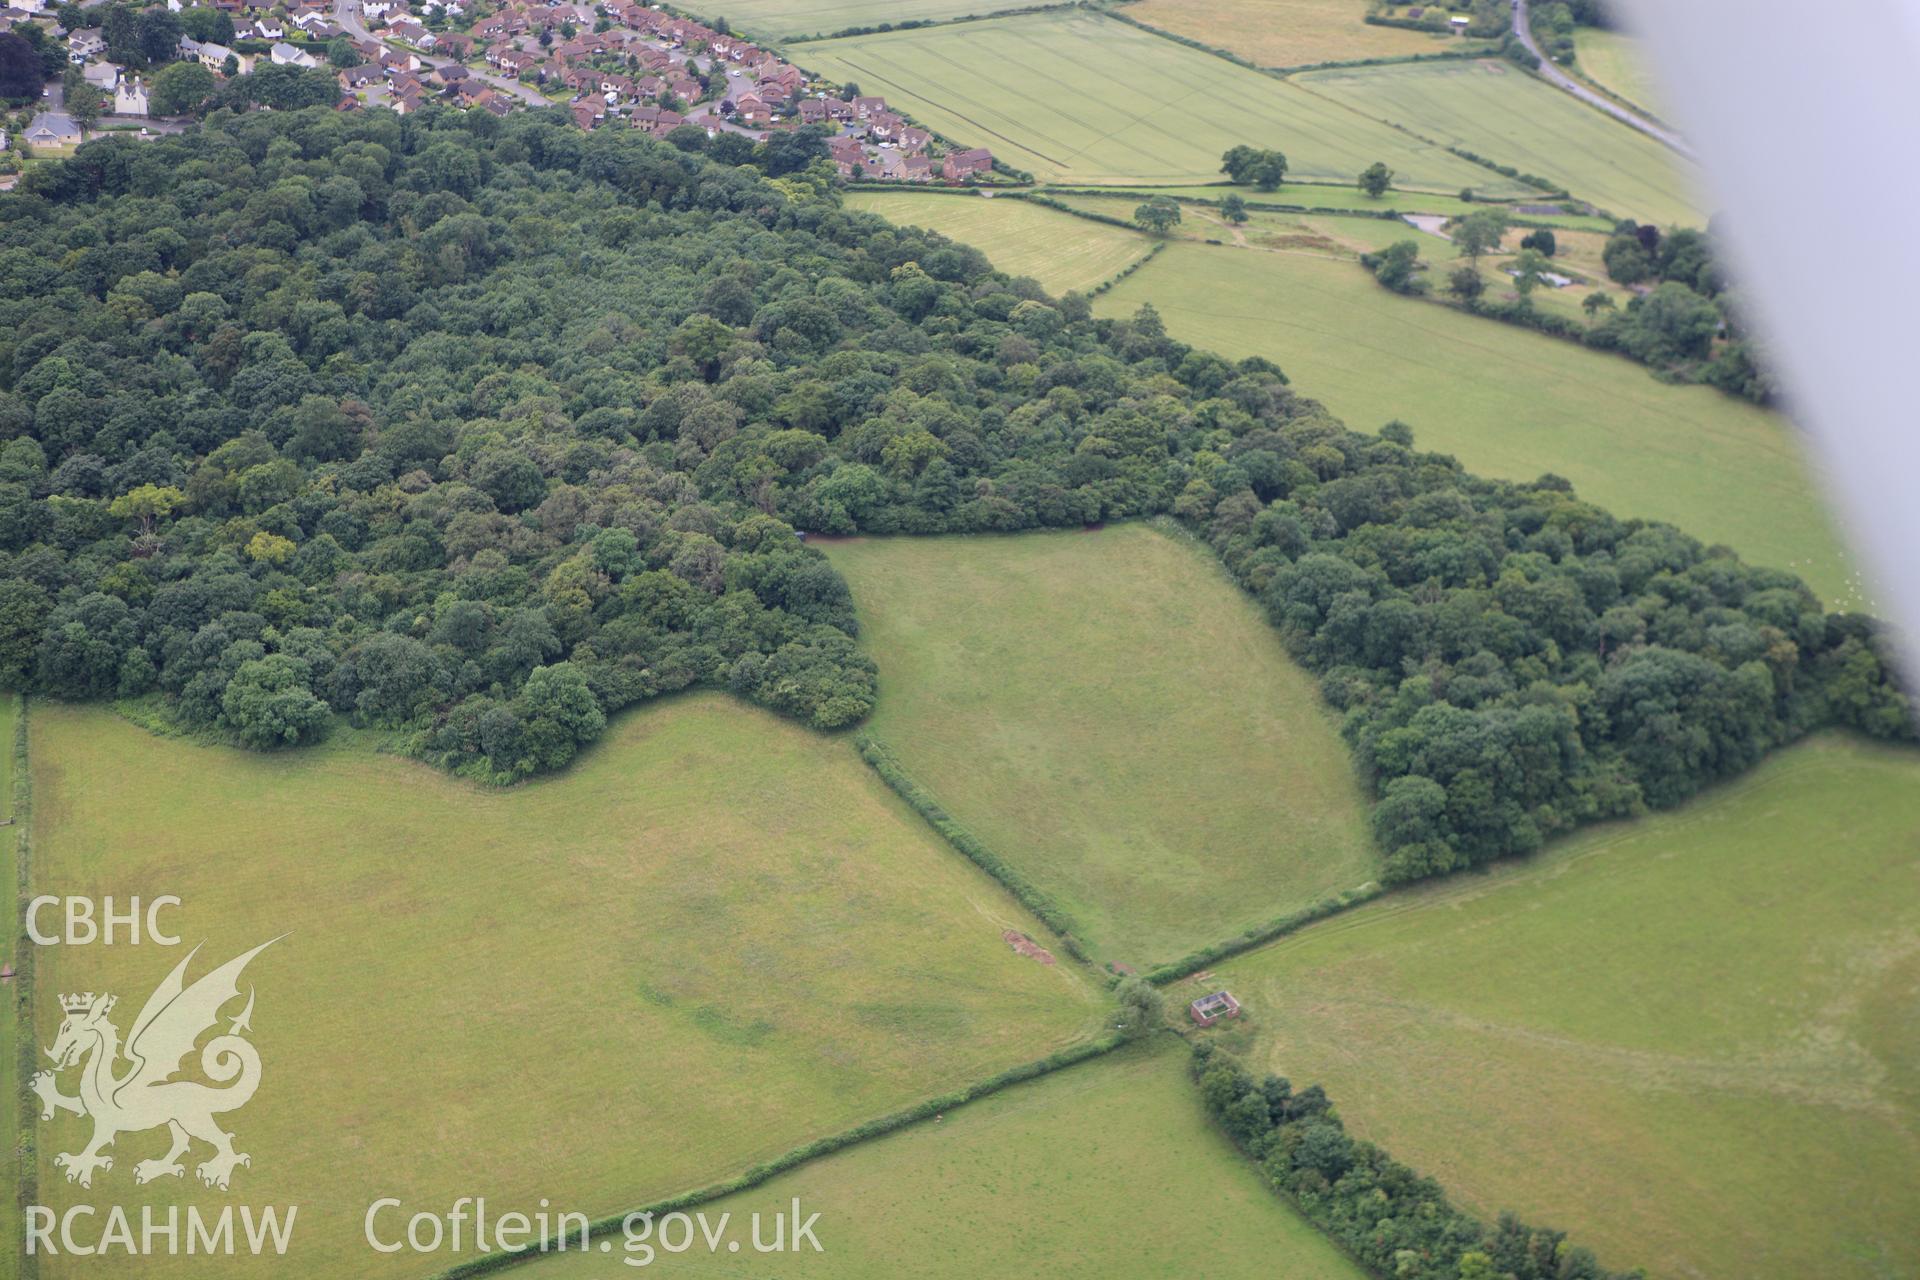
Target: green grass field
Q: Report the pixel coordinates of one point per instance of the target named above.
(1690, 1040)
(1027, 239)
(1074, 96)
(1289, 33)
(1498, 111)
(10, 942)
(1617, 63)
(1508, 402)
(713, 938)
(1109, 1171)
(801, 19)
(1115, 718)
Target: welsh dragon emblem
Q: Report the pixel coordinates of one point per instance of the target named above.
(144, 1095)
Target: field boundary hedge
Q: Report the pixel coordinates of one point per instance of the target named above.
(970, 846)
(1255, 202)
(1210, 201)
(818, 1148)
(27, 1112)
(1258, 936)
(1159, 246)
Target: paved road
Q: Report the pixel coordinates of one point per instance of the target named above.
(707, 114)
(1560, 79)
(347, 14)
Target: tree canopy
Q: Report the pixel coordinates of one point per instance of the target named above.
(488, 428)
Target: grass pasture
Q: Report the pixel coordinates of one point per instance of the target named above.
(1689, 1041)
(10, 1082)
(1507, 401)
(1056, 690)
(1289, 33)
(1077, 97)
(1021, 239)
(1108, 1171)
(1498, 111)
(713, 938)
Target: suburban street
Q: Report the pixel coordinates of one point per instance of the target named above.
(347, 14)
(1560, 79)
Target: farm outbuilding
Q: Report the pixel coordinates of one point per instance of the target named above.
(1209, 1009)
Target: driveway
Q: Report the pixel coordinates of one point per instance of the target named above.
(1561, 80)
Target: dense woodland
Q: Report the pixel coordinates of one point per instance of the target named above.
(482, 429)
(1386, 1215)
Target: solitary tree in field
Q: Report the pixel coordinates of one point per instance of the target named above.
(1479, 233)
(1158, 215)
(1375, 179)
(1142, 1008)
(1529, 267)
(1543, 240)
(1265, 169)
(1466, 283)
(1233, 208)
(1396, 267)
(1595, 303)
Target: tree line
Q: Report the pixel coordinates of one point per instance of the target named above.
(1684, 321)
(482, 429)
(1391, 1219)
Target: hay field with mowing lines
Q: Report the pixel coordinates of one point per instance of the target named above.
(714, 937)
(1507, 401)
(1053, 690)
(1617, 63)
(1022, 239)
(1107, 1171)
(1500, 112)
(802, 19)
(1689, 1040)
(1078, 97)
(1290, 33)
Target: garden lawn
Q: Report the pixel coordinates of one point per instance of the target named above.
(1075, 96)
(1498, 111)
(713, 938)
(1689, 1041)
(1112, 716)
(1107, 1171)
(1507, 401)
(1021, 239)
